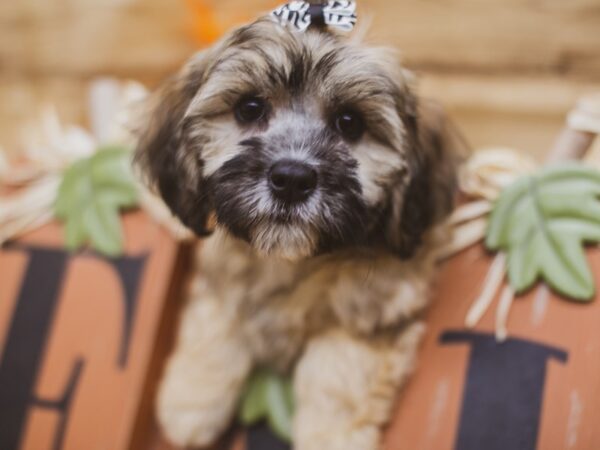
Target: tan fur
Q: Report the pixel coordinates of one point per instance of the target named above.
(346, 322)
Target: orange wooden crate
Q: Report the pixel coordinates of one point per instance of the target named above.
(73, 377)
(78, 334)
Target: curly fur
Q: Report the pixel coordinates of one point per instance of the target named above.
(330, 288)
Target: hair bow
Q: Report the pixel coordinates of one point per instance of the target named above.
(300, 15)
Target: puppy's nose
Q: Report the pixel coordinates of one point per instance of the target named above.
(292, 181)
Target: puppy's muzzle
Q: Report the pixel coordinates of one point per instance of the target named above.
(292, 181)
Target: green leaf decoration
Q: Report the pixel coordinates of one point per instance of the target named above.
(268, 396)
(542, 222)
(91, 193)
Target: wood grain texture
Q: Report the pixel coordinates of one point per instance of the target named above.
(489, 36)
(508, 71)
(129, 36)
(22, 99)
(84, 38)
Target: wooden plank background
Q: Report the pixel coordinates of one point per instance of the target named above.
(507, 70)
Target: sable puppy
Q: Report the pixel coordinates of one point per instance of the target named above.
(326, 178)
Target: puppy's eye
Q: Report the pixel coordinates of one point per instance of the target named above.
(350, 125)
(250, 109)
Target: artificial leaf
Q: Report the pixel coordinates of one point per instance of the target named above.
(91, 193)
(542, 221)
(279, 406)
(74, 232)
(268, 396)
(254, 405)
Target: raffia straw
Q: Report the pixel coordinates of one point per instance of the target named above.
(464, 236)
(12, 209)
(39, 196)
(15, 176)
(26, 211)
(19, 176)
(491, 284)
(25, 224)
(488, 171)
(470, 211)
(502, 311)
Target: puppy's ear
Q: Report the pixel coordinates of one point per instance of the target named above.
(161, 153)
(430, 194)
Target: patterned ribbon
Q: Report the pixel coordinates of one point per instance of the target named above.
(300, 15)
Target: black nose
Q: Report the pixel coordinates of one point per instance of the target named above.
(292, 181)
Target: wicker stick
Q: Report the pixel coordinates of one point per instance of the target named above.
(576, 138)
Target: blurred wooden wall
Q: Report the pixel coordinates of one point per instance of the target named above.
(507, 70)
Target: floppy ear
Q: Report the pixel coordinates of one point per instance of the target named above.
(430, 194)
(161, 153)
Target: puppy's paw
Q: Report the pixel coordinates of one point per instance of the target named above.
(203, 378)
(198, 396)
(346, 386)
(354, 437)
(190, 416)
(188, 428)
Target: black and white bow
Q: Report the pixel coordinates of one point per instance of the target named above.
(300, 15)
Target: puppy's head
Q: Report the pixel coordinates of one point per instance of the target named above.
(299, 143)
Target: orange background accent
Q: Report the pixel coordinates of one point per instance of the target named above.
(88, 324)
(429, 408)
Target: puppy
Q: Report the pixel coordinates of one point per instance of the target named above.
(318, 180)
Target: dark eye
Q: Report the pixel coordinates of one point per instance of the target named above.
(250, 109)
(350, 125)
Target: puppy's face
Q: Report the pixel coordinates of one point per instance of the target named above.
(298, 143)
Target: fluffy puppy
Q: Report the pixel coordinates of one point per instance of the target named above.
(319, 178)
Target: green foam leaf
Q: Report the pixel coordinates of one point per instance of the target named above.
(268, 396)
(90, 196)
(542, 221)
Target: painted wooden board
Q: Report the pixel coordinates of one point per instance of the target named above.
(78, 338)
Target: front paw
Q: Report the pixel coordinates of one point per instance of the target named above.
(332, 436)
(185, 419)
(197, 397)
(345, 388)
(204, 376)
